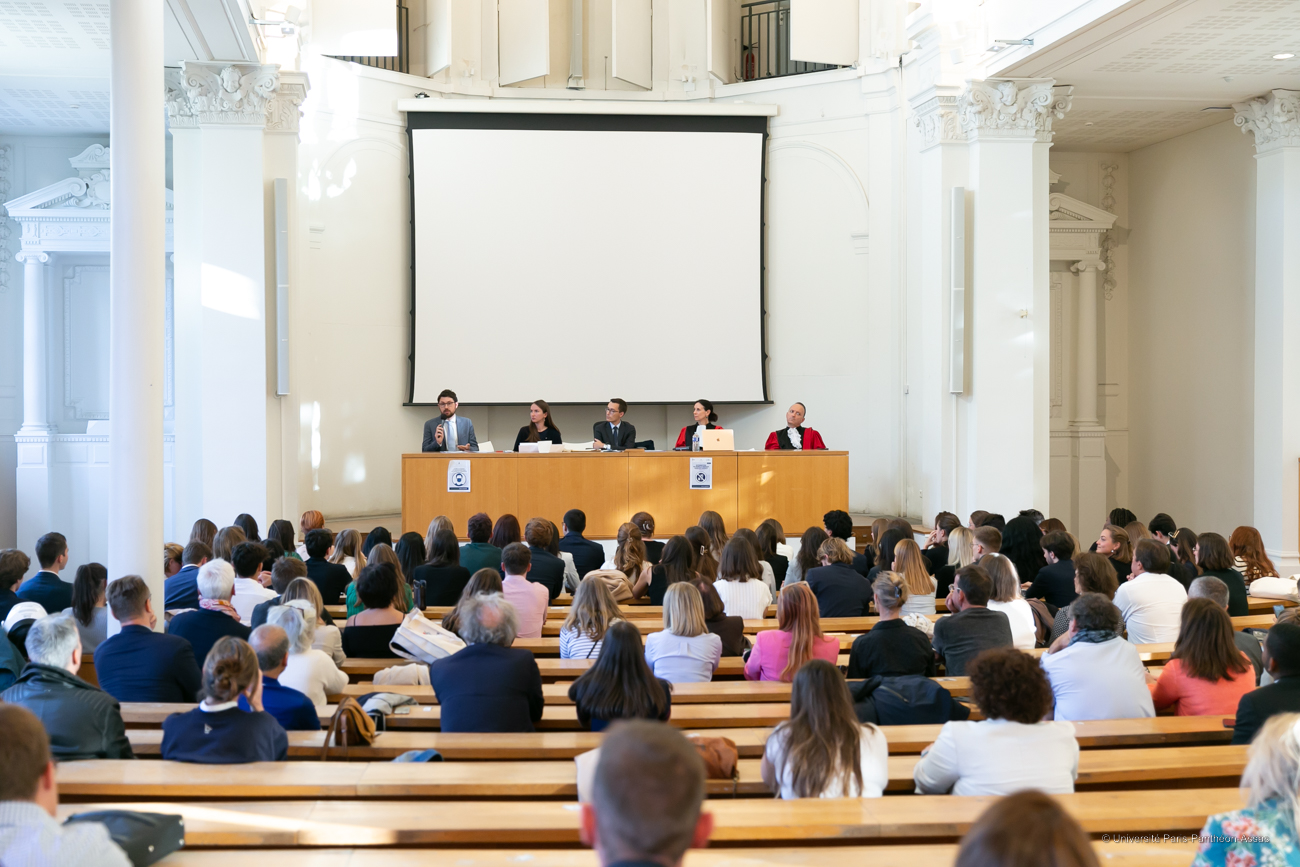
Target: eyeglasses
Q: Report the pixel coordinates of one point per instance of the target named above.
(610, 411)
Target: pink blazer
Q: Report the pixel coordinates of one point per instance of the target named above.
(772, 649)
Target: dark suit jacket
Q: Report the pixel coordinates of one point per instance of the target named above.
(48, 590)
(138, 664)
(1054, 583)
(1254, 708)
(201, 628)
(588, 556)
(488, 688)
(548, 570)
(182, 589)
(626, 435)
(332, 579)
(443, 584)
(840, 591)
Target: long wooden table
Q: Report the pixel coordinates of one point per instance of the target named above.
(795, 487)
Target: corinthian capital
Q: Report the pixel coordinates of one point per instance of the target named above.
(179, 113)
(935, 116)
(1274, 119)
(1013, 108)
(282, 112)
(229, 93)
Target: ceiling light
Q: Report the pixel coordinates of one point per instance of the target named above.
(1285, 55)
(74, 105)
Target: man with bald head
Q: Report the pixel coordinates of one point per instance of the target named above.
(794, 435)
(292, 708)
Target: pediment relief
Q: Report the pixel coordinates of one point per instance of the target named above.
(1070, 214)
(89, 192)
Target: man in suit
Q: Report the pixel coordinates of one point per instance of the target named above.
(182, 589)
(332, 579)
(448, 432)
(545, 569)
(613, 433)
(216, 617)
(46, 588)
(488, 686)
(282, 574)
(1282, 662)
(587, 555)
(794, 435)
(139, 664)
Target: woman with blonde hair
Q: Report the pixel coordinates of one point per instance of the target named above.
(329, 638)
(1114, 543)
(685, 651)
(310, 671)
(961, 552)
(779, 653)
(310, 520)
(740, 581)
(705, 563)
(172, 554)
(592, 613)
(893, 647)
(630, 559)
(910, 563)
(1007, 599)
(711, 522)
(347, 551)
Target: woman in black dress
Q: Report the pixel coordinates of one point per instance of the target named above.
(368, 633)
(540, 428)
(443, 576)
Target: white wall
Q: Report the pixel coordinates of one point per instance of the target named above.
(1191, 329)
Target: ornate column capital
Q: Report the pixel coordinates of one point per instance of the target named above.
(180, 115)
(935, 115)
(228, 94)
(282, 112)
(1089, 264)
(1274, 119)
(1012, 108)
(26, 256)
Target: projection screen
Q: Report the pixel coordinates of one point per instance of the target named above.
(575, 258)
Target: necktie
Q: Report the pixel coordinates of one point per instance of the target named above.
(451, 434)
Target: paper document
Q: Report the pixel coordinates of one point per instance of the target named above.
(701, 474)
(458, 477)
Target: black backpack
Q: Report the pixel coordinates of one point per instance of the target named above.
(904, 701)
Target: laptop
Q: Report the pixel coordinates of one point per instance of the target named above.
(717, 440)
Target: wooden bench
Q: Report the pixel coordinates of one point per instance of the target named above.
(731, 667)
(938, 818)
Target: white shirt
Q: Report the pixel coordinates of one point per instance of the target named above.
(1152, 607)
(796, 440)
(329, 640)
(1023, 632)
(874, 763)
(314, 675)
(1099, 681)
(29, 836)
(571, 576)
(683, 660)
(769, 577)
(248, 595)
(999, 757)
(747, 600)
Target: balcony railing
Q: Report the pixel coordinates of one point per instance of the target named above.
(402, 61)
(765, 42)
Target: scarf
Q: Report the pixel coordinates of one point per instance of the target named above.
(222, 605)
(1093, 636)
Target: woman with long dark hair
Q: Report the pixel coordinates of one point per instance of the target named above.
(1206, 673)
(740, 581)
(505, 532)
(1021, 544)
(540, 427)
(771, 536)
(677, 563)
(248, 524)
(1214, 557)
(410, 553)
(443, 575)
(630, 559)
(654, 549)
(1182, 552)
(705, 563)
(731, 630)
(712, 523)
(88, 610)
(620, 684)
(822, 751)
(375, 537)
(1249, 556)
(704, 418)
(806, 559)
(282, 531)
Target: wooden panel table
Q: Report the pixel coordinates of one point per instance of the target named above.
(797, 486)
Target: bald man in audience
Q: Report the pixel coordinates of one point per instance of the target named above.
(645, 808)
(1209, 587)
(293, 709)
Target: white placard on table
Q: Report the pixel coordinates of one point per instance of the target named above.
(701, 474)
(458, 477)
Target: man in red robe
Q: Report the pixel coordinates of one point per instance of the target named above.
(794, 435)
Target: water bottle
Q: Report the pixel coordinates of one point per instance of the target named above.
(695, 440)
(418, 591)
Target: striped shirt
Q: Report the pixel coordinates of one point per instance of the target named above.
(747, 600)
(578, 645)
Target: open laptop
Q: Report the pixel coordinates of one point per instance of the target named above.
(717, 440)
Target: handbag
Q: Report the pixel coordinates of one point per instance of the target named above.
(720, 758)
(423, 640)
(904, 700)
(615, 580)
(350, 727)
(145, 837)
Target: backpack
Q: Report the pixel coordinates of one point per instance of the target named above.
(903, 701)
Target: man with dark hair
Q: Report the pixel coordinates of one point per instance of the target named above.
(46, 588)
(1055, 581)
(656, 819)
(1150, 600)
(1033, 514)
(546, 568)
(332, 579)
(936, 544)
(13, 566)
(974, 627)
(794, 435)
(29, 804)
(987, 540)
(1212, 588)
(478, 553)
(613, 433)
(291, 708)
(994, 520)
(587, 555)
(247, 558)
(528, 597)
(447, 432)
(1282, 662)
(1097, 674)
(282, 574)
(181, 591)
(1163, 528)
(139, 664)
(838, 524)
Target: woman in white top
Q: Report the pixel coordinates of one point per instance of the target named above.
(329, 638)
(822, 751)
(910, 563)
(740, 583)
(1012, 749)
(347, 550)
(769, 575)
(1007, 599)
(685, 651)
(592, 613)
(307, 670)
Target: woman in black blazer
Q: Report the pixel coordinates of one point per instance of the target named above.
(540, 428)
(704, 417)
(442, 574)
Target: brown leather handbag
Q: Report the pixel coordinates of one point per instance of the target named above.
(720, 757)
(350, 727)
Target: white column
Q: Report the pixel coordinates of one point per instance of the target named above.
(1008, 123)
(1085, 393)
(137, 271)
(1275, 121)
(36, 398)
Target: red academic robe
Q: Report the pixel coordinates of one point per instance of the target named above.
(779, 439)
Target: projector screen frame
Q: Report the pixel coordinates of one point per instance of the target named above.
(658, 122)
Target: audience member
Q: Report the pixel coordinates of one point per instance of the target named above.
(505, 531)
(1026, 829)
(961, 552)
(223, 544)
(770, 534)
(329, 638)
(591, 615)
(332, 579)
(528, 598)
(885, 552)
(766, 574)
(205, 531)
(986, 540)
(488, 686)
(706, 565)
(367, 635)
(1012, 748)
(630, 559)
(1093, 573)
(676, 563)
(444, 577)
(571, 577)
(1053, 525)
(282, 531)
(377, 536)
(292, 709)
(30, 833)
(1264, 832)
(347, 552)
(215, 616)
(994, 520)
(730, 629)
(1150, 601)
(685, 651)
(1206, 673)
(172, 554)
(973, 627)
(1209, 587)
(620, 684)
(13, 565)
(1021, 544)
(659, 818)
(891, 648)
(654, 549)
(911, 564)
(544, 567)
(1214, 557)
(312, 672)
(439, 522)
(181, 591)
(308, 521)
(1054, 582)
(779, 653)
(936, 544)
(411, 554)
(83, 722)
(217, 732)
(740, 581)
(976, 517)
(485, 580)
(248, 524)
(1183, 554)
(805, 560)
(1163, 529)
(46, 588)
(139, 664)
(840, 591)
(822, 751)
(587, 555)
(1114, 543)
(1137, 531)
(249, 592)
(1007, 599)
(1250, 560)
(1282, 696)
(283, 572)
(716, 529)
(1097, 674)
(87, 607)
(384, 553)
(19, 620)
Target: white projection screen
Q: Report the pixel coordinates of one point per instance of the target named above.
(575, 258)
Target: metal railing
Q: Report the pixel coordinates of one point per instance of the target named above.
(765, 42)
(402, 61)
